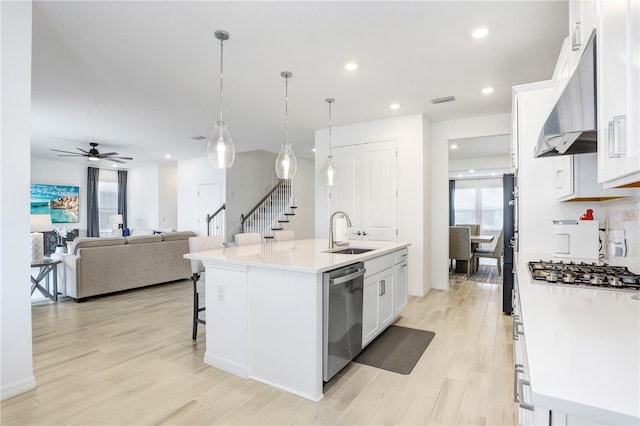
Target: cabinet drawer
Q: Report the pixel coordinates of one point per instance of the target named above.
(401, 255)
(379, 264)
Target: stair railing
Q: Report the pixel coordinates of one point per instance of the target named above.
(219, 223)
(271, 211)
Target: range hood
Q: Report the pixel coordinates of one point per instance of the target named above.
(572, 125)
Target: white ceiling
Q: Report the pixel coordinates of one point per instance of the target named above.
(487, 146)
(141, 78)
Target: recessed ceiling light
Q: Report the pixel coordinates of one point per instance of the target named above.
(471, 171)
(351, 66)
(313, 150)
(167, 156)
(480, 32)
(115, 165)
(394, 106)
(454, 146)
(487, 90)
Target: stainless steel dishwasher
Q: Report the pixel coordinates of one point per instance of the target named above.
(342, 317)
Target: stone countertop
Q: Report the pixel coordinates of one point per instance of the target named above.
(583, 348)
(311, 255)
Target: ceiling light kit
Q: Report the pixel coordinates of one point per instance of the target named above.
(330, 168)
(220, 148)
(93, 154)
(286, 162)
(480, 32)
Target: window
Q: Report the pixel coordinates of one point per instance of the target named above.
(479, 201)
(107, 199)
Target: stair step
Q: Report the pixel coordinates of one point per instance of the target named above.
(283, 221)
(289, 214)
(268, 238)
(277, 229)
(293, 207)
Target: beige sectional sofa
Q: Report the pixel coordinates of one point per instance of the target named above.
(96, 266)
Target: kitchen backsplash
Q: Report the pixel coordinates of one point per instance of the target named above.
(624, 214)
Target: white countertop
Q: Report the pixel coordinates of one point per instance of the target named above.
(583, 348)
(297, 255)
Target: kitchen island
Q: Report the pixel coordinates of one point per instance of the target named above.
(265, 309)
(577, 350)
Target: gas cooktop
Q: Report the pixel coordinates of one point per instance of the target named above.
(589, 275)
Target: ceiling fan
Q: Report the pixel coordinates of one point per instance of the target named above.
(93, 154)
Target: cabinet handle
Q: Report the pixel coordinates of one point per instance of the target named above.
(519, 368)
(558, 184)
(617, 136)
(521, 402)
(381, 288)
(358, 233)
(576, 39)
(364, 233)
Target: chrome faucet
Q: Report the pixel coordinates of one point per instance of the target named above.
(346, 216)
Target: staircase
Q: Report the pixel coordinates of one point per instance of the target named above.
(273, 212)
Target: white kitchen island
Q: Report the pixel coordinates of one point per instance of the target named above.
(265, 306)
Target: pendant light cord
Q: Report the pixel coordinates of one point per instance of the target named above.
(330, 127)
(286, 109)
(221, 59)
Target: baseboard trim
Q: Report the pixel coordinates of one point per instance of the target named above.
(17, 388)
(227, 365)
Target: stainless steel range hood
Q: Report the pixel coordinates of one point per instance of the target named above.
(572, 125)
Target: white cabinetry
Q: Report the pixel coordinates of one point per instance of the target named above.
(618, 92)
(367, 189)
(576, 180)
(401, 281)
(582, 21)
(384, 294)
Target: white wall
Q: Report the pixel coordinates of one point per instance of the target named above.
(143, 199)
(16, 371)
(303, 223)
(441, 133)
(64, 173)
(408, 131)
(190, 174)
(537, 205)
(168, 195)
(481, 163)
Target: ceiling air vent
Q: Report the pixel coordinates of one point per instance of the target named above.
(443, 100)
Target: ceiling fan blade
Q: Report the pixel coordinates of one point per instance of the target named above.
(67, 152)
(123, 158)
(71, 155)
(80, 149)
(114, 160)
(108, 153)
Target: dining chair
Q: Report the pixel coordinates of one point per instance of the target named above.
(284, 235)
(247, 238)
(492, 252)
(475, 227)
(197, 244)
(460, 244)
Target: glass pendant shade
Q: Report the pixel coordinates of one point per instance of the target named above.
(330, 171)
(286, 162)
(220, 148)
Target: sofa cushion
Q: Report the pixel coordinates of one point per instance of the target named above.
(141, 239)
(177, 236)
(141, 231)
(82, 242)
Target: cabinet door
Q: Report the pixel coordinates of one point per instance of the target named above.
(563, 168)
(370, 300)
(385, 306)
(379, 191)
(400, 287)
(618, 144)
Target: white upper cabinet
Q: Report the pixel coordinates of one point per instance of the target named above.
(582, 21)
(367, 189)
(618, 93)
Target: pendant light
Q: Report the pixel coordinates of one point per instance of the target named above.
(330, 168)
(286, 163)
(220, 148)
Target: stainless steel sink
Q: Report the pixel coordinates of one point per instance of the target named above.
(352, 250)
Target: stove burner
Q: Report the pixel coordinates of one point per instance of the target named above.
(585, 275)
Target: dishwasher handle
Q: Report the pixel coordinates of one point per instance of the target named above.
(343, 279)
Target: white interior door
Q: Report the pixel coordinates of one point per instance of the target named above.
(379, 215)
(209, 200)
(346, 195)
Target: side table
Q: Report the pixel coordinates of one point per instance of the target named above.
(46, 267)
(62, 271)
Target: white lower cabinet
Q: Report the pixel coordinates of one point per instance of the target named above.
(377, 304)
(385, 292)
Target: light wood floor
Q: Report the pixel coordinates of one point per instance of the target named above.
(129, 359)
